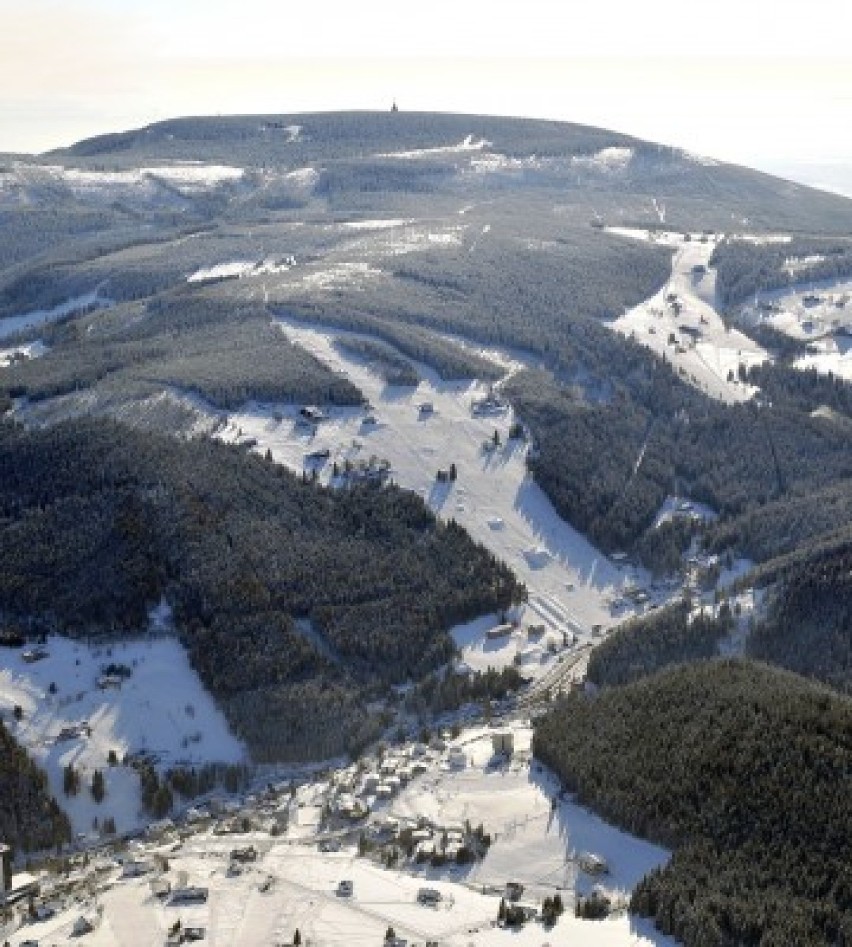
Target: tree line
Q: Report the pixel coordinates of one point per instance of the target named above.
(99, 521)
(742, 769)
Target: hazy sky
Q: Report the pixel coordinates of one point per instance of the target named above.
(762, 83)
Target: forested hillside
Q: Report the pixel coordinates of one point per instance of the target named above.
(172, 250)
(98, 522)
(744, 771)
(228, 355)
(808, 627)
(651, 642)
(746, 267)
(736, 459)
(30, 819)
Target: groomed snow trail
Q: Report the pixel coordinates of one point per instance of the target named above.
(570, 582)
(681, 324)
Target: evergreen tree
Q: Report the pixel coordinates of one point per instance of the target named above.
(98, 786)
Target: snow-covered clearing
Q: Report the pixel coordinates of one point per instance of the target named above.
(161, 708)
(832, 355)
(681, 506)
(300, 893)
(188, 178)
(681, 323)
(804, 311)
(570, 582)
(607, 159)
(383, 224)
(29, 320)
(22, 352)
(469, 144)
(293, 132)
(305, 177)
(235, 269)
(161, 185)
(401, 237)
(703, 160)
(494, 162)
(816, 312)
(537, 835)
(533, 842)
(346, 273)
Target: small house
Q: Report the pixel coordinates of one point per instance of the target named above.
(429, 896)
(592, 864)
(503, 742)
(31, 655)
(457, 758)
(313, 414)
(134, 868)
(247, 854)
(514, 890)
(189, 895)
(110, 682)
(83, 925)
(499, 631)
(160, 887)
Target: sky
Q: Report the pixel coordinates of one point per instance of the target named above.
(767, 84)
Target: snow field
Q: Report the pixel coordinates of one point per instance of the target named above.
(570, 582)
(818, 313)
(531, 842)
(467, 145)
(293, 885)
(162, 708)
(831, 356)
(240, 268)
(709, 354)
(30, 320)
(28, 350)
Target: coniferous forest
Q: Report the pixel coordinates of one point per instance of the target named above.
(741, 769)
(29, 816)
(100, 521)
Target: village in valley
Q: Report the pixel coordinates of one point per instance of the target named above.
(449, 832)
(456, 838)
(447, 829)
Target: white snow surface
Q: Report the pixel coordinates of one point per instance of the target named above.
(27, 350)
(188, 178)
(292, 885)
(679, 506)
(382, 224)
(162, 708)
(828, 310)
(530, 839)
(710, 351)
(830, 355)
(469, 144)
(307, 177)
(29, 320)
(161, 185)
(607, 159)
(239, 268)
(571, 583)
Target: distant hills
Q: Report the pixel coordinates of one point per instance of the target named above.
(141, 275)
